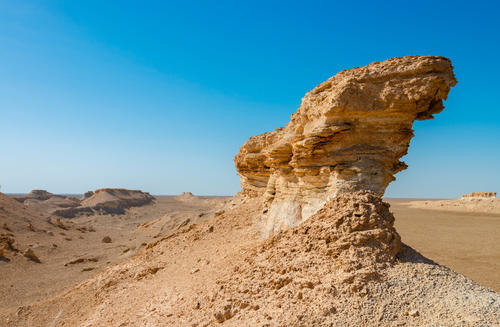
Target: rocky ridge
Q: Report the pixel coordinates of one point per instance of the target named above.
(106, 201)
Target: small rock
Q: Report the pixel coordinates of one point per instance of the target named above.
(219, 317)
(31, 255)
(328, 311)
(413, 313)
(106, 239)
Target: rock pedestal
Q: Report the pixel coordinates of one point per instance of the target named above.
(347, 135)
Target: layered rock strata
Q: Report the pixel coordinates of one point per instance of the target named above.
(40, 195)
(106, 201)
(480, 195)
(347, 135)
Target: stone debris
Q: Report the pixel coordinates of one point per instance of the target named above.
(81, 260)
(30, 254)
(106, 239)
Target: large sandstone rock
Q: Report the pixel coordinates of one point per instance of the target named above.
(348, 135)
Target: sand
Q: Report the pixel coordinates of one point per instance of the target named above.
(73, 254)
(473, 205)
(176, 279)
(465, 241)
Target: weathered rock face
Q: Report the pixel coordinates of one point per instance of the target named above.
(348, 135)
(480, 195)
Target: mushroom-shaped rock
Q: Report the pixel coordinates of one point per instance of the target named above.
(347, 135)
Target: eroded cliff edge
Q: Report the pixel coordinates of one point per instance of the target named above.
(347, 135)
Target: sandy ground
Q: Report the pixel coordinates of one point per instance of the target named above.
(472, 205)
(467, 242)
(70, 256)
(221, 270)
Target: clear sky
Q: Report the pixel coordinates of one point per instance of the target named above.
(159, 95)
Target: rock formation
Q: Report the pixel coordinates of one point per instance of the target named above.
(185, 196)
(480, 195)
(116, 200)
(107, 201)
(40, 195)
(348, 135)
(87, 195)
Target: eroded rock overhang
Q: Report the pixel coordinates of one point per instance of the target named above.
(348, 134)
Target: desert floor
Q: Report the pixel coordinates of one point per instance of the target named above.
(70, 256)
(466, 242)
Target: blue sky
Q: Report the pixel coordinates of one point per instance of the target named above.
(159, 95)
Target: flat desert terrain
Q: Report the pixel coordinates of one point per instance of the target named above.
(464, 241)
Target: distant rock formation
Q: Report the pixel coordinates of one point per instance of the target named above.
(348, 135)
(116, 200)
(107, 201)
(40, 195)
(185, 196)
(480, 195)
(87, 195)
